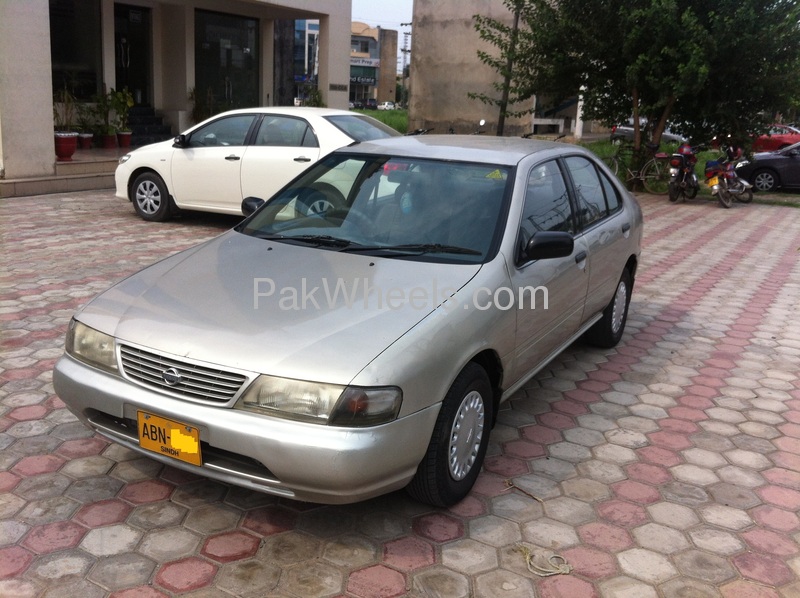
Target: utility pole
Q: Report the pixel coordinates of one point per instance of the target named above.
(405, 51)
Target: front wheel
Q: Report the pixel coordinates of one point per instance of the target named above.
(655, 177)
(725, 198)
(607, 332)
(765, 180)
(150, 198)
(458, 444)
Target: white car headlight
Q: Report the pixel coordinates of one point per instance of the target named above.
(91, 346)
(329, 404)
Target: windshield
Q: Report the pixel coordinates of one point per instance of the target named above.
(361, 127)
(392, 207)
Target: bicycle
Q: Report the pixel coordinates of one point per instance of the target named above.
(654, 174)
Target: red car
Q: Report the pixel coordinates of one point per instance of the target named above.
(779, 136)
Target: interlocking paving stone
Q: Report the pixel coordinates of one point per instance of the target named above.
(666, 467)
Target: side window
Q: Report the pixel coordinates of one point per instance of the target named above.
(547, 206)
(589, 193)
(284, 131)
(231, 130)
(613, 200)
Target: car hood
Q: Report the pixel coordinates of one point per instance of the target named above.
(160, 147)
(250, 304)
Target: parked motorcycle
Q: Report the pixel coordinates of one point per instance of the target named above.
(721, 177)
(683, 181)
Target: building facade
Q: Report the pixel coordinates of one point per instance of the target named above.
(445, 68)
(170, 54)
(373, 63)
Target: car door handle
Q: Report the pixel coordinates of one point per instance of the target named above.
(626, 227)
(580, 257)
(302, 159)
(232, 158)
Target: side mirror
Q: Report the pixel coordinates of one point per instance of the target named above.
(545, 245)
(251, 204)
(179, 141)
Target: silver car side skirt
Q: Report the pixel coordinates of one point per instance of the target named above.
(510, 391)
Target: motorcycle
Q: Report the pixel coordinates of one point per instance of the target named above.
(721, 177)
(682, 179)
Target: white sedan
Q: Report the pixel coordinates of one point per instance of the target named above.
(214, 165)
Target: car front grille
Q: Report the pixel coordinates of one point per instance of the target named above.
(180, 378)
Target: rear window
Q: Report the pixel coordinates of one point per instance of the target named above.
(362, 128)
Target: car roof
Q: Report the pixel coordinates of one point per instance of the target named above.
(468, 148)
(288, 110)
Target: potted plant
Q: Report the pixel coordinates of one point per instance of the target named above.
(121, 102)
(86, 124)
(106, 129)
(66, 138)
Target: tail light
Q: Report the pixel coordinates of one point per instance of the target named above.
(676, 162)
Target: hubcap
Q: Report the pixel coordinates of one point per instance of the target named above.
(320, 206)
(618, 311)
(764, 182)
(466, 435)
(148, 197)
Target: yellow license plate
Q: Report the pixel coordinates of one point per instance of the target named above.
(713, 181)
(168, 437)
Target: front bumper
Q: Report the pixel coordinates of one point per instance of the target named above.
(303, 461)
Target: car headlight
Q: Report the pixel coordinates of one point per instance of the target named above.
(124, 158)
(329, 404)
(91, 346)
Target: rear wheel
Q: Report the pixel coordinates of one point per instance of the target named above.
(655, 177)
(458, 444)
(607, 332)
(674, 191)
(320, 199)
(691, 191)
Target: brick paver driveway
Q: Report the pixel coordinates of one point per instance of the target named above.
(669, 466)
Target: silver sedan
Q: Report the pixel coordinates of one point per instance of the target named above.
(332, 353)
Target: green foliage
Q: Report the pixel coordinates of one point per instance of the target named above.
(711, 67)
(121, 101)
(397, 119)
(63, 110)
(313, 97)
(102, 109)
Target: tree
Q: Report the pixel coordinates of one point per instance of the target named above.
(708, 67)
(506, 39)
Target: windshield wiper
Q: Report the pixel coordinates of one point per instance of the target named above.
(315, 240)
(414, 249)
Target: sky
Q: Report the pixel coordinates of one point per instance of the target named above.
(388, 14)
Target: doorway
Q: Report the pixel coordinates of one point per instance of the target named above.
(132, 50)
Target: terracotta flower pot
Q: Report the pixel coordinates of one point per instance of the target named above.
(124, 138)
(66, 144)
(85, 140)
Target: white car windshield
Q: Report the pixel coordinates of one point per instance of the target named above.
(393, 207)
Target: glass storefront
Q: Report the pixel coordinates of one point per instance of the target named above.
(226, 62)
(76, 46)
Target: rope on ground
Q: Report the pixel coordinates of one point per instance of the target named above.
(510, 484)
(540, 562)
(543, 563)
